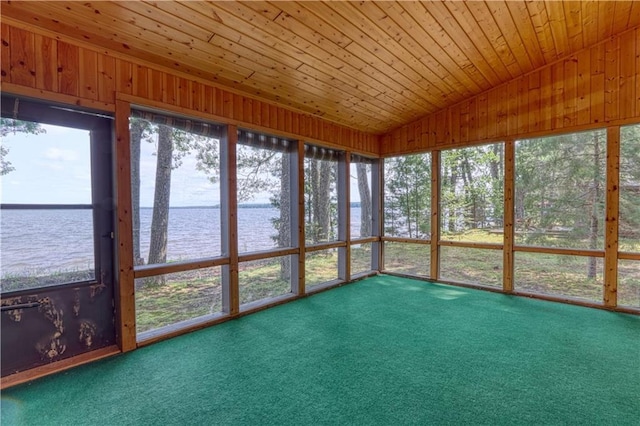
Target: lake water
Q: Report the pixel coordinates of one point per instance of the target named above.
(34, 242)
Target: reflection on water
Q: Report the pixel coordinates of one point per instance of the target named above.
(44, 242)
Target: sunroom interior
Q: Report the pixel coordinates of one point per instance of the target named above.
(170, 166)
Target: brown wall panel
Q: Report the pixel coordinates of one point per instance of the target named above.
(35, 61)
(597, 86)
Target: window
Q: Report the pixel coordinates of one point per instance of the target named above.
(629, 221)
(321, 194)
(471, 194)
(177, 171)
(361, 198)
(472, 214)
(265, 173)
(407, 214)
(407, 196)
(56, 207)
(324, 218)
(629, 232)
(363, 204)
(560, 191)
(267, 215)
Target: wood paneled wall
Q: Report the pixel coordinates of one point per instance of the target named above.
(90, 77)
(595, 87)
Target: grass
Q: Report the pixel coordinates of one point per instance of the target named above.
(192, 294)
(183, 296)
(34, 278)
(261, 279)
(480, 265)
(406, 258)
(534, 272)
(558, 275)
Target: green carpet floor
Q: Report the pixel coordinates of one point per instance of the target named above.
(384, 350)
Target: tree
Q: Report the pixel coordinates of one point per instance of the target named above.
(138, 129)
(559, 191)
(10, 125)
(161, 198)
(408, 196)
(362, 171)
(320, 208)
(172, 145)
(5, 166)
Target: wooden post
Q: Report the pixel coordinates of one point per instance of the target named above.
(508, 220)
(344, 217)
(435, 215)
(377, 212)
(229, 210)
(612, 212)
(125, 302)
(301, 290)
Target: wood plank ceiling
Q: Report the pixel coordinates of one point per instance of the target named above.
(369, 65)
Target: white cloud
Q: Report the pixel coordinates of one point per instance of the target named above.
(58, 154)
(54, 166)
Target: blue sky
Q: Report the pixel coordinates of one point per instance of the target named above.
(50, 168)
(54, 168)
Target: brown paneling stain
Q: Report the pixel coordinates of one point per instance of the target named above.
(59, 324)
(592, 88)
(95, 76)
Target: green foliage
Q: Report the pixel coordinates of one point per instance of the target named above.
(560, 189)
(321, 211)
(630, 186)
(407, 198)
(8, 126)
(472, 188)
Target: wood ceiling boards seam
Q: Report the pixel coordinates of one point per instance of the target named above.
(266, 74)
(502, 17)
(374, 20)
(451, 54)
(469, 41)
(241, 15)
(485, 19)
(379, 56)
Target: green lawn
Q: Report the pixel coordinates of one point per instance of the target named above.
(192, 294)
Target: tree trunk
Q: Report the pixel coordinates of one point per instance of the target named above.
(593, 226)
(365, 200)
(452, 186)
(137, 130)
(324, 201)
(314, 201)
(160, 220)
(284, 224)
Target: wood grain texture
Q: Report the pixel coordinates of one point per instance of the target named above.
(125, 304)
(595, 87)
(435, 217)
(509, 208)
(84, 75)
(372, 66)
(231, 189)
(611, 217)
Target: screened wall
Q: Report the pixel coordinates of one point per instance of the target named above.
(229, 220)
(527, 216)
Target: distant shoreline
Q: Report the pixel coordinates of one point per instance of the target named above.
(240, 206)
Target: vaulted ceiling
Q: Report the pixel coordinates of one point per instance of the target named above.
(369, 65)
